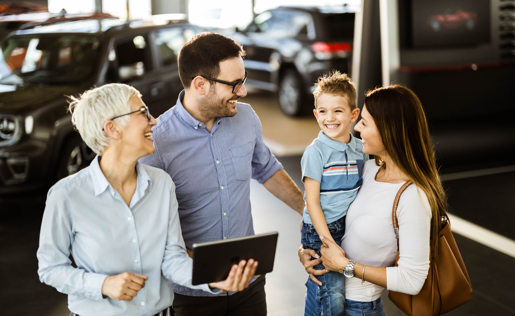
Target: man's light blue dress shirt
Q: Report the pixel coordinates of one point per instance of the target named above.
(212, 172)
(84, 216)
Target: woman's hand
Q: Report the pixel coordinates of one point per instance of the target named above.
(333, 256)
(305, 256)
(124, 286)
(239, 277)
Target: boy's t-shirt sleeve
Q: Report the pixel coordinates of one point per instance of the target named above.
(312, 164)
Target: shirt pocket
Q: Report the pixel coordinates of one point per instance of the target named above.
(241, 157)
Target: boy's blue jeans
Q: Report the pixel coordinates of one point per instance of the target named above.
(328, 299)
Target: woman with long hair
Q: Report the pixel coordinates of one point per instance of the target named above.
(394, 129)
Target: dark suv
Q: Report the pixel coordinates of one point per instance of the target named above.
(288, 48)
(43, 64)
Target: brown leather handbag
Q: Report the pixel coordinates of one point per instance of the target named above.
(447, 285)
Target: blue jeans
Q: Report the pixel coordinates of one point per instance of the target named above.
(329, 298)
(353, 308)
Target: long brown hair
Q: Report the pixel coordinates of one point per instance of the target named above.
(402, 125)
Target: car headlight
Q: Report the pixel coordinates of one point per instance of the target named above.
(29, 124)
(9, 130)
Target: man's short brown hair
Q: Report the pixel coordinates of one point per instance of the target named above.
(338, 84)
(203, 53)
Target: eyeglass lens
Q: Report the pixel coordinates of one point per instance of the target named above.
(148, 113)
(238, 85)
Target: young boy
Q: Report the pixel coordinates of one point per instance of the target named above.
(332, 168)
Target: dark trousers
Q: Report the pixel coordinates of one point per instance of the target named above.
(250, 302)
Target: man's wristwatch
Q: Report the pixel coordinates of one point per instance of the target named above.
(348, 272)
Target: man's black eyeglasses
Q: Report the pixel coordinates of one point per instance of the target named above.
(236, 86)
(145, 109)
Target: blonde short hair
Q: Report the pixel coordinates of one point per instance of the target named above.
(95, 106)
(338, 84)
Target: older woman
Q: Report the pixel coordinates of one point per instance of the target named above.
(394, 129)
(118, 218)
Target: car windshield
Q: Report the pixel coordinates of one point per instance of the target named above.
(45, 59)
(340, 26)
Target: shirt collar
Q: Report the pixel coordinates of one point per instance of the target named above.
(144, 181)
(101, 184)
(186, 116)
(336, 145)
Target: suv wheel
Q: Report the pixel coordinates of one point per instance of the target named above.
(291, 95)
(71, 158)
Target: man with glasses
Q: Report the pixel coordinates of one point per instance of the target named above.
(212, 145)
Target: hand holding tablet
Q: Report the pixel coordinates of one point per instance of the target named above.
(216, 261)
(239, 277)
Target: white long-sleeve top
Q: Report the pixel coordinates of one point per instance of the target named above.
(370, 239)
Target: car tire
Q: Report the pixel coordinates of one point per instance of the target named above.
(470, 24)
(436, 25)
(291, 94)
(72, 157)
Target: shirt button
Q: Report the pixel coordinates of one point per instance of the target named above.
(199, 124)
(196, 127)
(129, 218)
(134, 240)
(222, 187)
(225, 237)
(225, 214)
(136, 261)
(217, 162)
(142, 303)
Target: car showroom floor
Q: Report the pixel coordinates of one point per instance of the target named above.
(481, 198)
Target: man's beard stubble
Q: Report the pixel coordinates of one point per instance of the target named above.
(211, 106)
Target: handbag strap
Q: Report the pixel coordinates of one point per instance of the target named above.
(394, 210)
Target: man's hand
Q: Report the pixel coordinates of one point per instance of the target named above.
(305, 256)
(239, 277)
(124, 286)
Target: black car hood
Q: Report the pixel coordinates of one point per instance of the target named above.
(15, 99)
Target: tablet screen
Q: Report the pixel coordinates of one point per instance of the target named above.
(213, 260)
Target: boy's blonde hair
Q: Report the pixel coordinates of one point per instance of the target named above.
(338, 84)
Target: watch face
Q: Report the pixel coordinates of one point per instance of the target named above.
(348, 274)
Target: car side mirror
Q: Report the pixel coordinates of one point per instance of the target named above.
(130, 71)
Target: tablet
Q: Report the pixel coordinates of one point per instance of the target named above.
(213, 260)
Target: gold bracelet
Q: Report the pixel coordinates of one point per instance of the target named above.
(363, 275)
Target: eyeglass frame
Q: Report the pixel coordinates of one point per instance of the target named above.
(241, 82)
(146, 109)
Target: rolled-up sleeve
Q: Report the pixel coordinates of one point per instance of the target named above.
(53, 254)
(414, 218)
